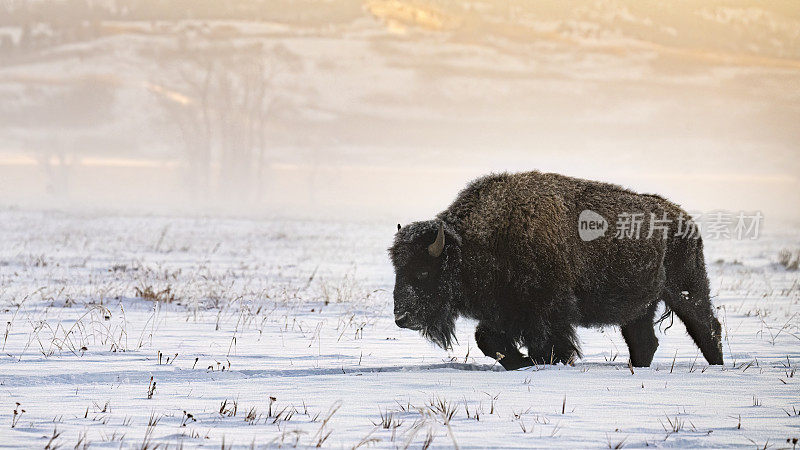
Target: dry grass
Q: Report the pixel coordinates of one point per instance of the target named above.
(789, 259)
(155, 295)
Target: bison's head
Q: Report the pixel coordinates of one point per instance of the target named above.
(426, 258)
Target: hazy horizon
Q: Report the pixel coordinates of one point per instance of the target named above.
(385, 109)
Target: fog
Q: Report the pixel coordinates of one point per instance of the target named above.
(384, 109)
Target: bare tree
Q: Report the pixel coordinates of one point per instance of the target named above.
(221, 97)
(56, 124)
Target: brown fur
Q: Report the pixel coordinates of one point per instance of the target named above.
(514, 261)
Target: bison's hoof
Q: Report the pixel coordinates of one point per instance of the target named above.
(514, 363)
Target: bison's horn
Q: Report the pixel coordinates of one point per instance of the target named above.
(436, 248)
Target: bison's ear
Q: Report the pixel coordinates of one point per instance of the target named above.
(437, 247)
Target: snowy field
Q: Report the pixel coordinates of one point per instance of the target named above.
(132, 331)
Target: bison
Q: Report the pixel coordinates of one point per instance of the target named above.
(509, 252)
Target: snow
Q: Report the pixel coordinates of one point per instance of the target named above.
(291, 322)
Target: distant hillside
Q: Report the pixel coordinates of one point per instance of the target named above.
(220, 92)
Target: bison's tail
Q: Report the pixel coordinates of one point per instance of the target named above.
(686, 268)
(696, 278)
(668, 314)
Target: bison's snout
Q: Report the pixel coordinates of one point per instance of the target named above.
(404, 320)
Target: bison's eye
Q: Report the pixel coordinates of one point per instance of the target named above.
(421, 275)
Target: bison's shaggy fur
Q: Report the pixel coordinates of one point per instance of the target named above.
(513, 260)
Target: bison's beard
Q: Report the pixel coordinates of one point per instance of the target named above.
(443, 333)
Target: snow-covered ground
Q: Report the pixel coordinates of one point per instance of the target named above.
(165, 331)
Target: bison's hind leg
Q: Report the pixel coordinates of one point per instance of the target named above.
(498, 345)
(696, 313)
(641, 338)
(687, 294)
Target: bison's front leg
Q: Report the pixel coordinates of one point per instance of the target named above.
(641, 338)
(496, 344)
(559, 345)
